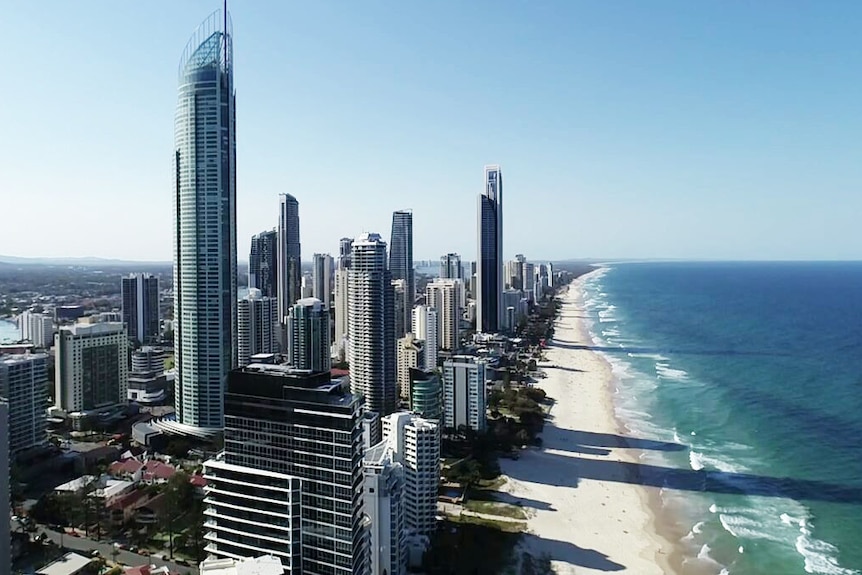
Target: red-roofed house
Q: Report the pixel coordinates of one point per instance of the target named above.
(149, 472)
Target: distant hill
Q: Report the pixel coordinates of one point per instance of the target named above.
(83, 261)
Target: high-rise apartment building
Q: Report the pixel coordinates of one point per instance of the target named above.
(489, 267)
(399, 303)
(289, 482)
(37, 328)
(322, 275)
(205, 298)
(411, 355)
(371, 344)
(263, 263)
(425, 394)
(450, 267)
(425, 325)
(23, 384)
(257, 322)
(308, 335)
(415, 443)
(464, 393)
(141, 307)
(5, 495)
(384, 507)
(401, 264)
(342, 283)
(91, 367)
(444, 295)
(289, 254)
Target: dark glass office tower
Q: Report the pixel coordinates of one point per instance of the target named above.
(401, 264)
(289, 481)
(289, 255)
(141, 307)
(263, 263)
(489, 267)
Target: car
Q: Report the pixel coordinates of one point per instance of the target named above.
(133, 549)
(182, 562)
(94, 553)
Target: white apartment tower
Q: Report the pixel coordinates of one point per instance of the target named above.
(371, 344)
(411, 355)
(257, 320)
(23, 379)
(308, 335)
(92, 366)
(444, 295)
(464, 393)
(37, 328)
(425, 324)
(384, 508)
(415, 443)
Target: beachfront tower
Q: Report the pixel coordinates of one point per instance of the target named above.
(401, 265)
(371, 341)
(289, 255)
(205, 299)
(489, 265)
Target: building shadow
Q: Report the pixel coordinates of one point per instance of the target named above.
(562, 368)
(503, 497)
(612, 440)
(568, 469)
(570, 553)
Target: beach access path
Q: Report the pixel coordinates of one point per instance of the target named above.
(584, 525)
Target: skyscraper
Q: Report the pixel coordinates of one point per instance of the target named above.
(371, 346)
(444, 295)
(464, 393)
(415, 443)
(411, 355)
(258, 325)
(384, 507)
(489, 267)
(308, 335)
(141, 307)
(342, 315)
(401, 263)
(425, 394)
(37, 328)
(289, 482)
(205, 308)
(23, 381)
(399, 302)
(263, 263)
(5, 495)
(92, 367)
(450, 267)
(289, 254)
(425, 325)
(322, 273)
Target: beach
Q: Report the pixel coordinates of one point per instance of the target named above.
(586, 509)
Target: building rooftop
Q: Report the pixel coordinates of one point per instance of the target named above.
(266, 565)
(68, 564)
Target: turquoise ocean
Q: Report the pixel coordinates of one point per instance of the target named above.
(749, 378)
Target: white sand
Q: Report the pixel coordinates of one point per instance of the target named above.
(585, 525)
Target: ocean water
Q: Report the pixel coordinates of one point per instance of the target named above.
(748, 376)
(8, 331)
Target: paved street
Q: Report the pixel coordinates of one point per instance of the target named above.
(106, 549)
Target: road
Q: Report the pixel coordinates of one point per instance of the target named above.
(107, 550)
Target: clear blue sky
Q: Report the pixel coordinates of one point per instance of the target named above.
(626, 129)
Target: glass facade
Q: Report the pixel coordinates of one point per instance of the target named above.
(401, 265)
(489, 269)
(205, 228)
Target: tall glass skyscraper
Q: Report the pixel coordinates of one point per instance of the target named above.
(205, 308)
(489, 268)
(289, 255)
(371, 341)
(401, 264)
(262, 266)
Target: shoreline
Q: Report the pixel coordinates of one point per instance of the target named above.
(587, 507)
